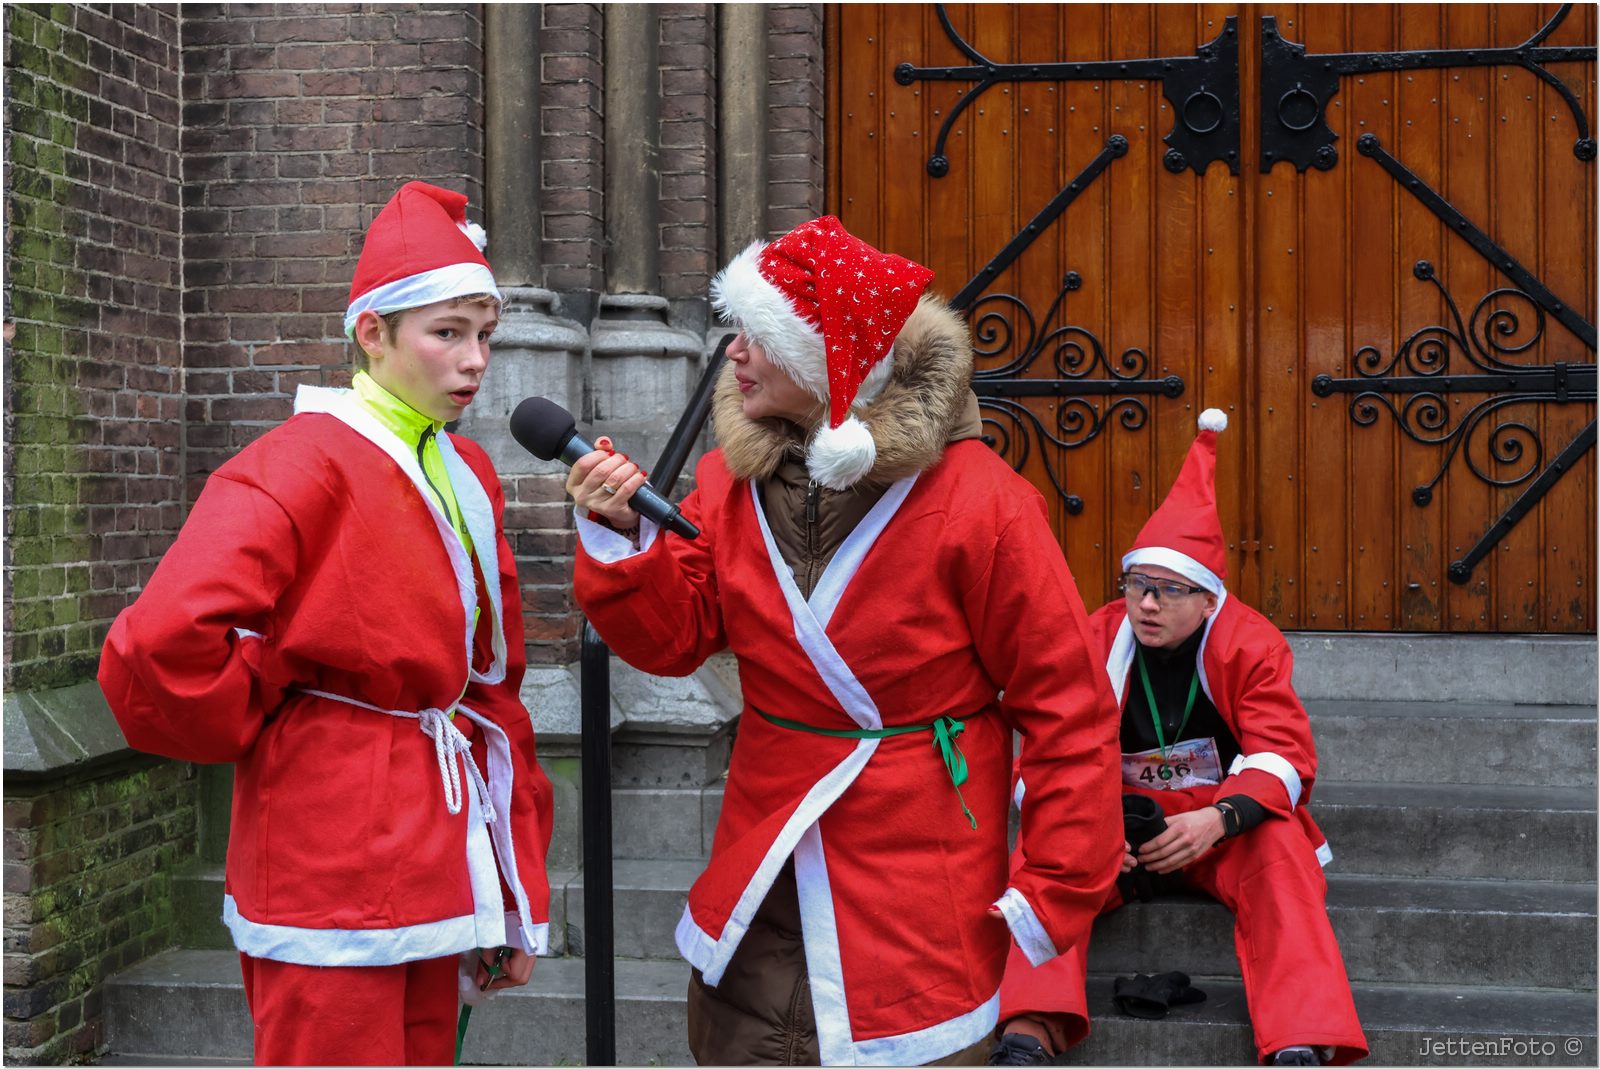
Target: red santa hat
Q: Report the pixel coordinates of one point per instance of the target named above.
(420, 249)
(1184, 534)
(826, 307)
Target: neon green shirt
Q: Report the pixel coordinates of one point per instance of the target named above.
(421, 433)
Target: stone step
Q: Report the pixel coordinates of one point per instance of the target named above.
(1405, 1024)
(1459, 831)
(647, 900)
(1454, 742)
(188, 1006)
(1536, 669)
(651, 822)
(1390, 930)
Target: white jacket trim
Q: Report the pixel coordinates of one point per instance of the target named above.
(1277, 765)
(348, 946)
(1025, 927)
(1324, 854)
(606, 546)
(830, 1001)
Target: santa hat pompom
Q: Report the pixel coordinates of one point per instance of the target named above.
(479, 236)
(841, 456)
(1213, 419)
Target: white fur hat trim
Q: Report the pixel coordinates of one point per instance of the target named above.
(740, 293)
(1213, 419)
(839, 457)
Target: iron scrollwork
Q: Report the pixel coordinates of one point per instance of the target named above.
(1005, 330)
(1296, 87)
(1203, 90)
(1488, 340)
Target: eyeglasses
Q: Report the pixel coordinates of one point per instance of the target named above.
(1135, 586)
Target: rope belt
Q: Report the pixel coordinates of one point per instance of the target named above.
(448, 742)
(946, 729)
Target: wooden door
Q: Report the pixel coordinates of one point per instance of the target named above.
(1178, 210)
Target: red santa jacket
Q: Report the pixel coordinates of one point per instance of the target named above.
(951, 591)
(1247, 671)
(314, 624)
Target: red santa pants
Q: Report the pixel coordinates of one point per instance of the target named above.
(352, 1015)
(1294, 978)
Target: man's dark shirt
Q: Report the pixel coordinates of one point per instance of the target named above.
(1171, 672)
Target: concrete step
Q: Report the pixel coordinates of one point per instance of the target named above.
(1390, 930)
(1459, 831)
(1536, 669)
(188, 1006)
(1405, 1024)
(648, 822)
(648, 899)
(1454, 742)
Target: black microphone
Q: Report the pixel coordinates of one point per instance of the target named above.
(549, 432)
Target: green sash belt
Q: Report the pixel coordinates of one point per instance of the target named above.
(946, 729)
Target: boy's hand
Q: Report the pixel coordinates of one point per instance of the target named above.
(1189, 836)
(603, 482)
(516, 967)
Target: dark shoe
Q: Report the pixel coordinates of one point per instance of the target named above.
(1015, 1048)
(1295, 1056)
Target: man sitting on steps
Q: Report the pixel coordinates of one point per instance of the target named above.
(1204, 682)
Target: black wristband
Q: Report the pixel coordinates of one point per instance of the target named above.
(1230, 819)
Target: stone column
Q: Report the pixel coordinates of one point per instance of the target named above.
(511, 157)
(742, 71)
(633, 140)
(639, 378)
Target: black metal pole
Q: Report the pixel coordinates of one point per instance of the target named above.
(665, 474)
(599, 965)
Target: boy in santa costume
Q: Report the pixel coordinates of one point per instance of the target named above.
(1212, 731)
(882, 577)
(339, 617)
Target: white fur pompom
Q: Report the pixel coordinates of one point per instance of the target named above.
(1213, 419)
(479, 236)
(840, 456)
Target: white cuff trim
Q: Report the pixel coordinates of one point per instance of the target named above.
(1025, 927)
(607, 546)
(1272, 763)
(1324, 854)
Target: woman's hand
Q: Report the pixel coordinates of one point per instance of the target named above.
(603, 482)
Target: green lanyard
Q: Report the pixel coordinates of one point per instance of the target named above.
(1155, 711)
(946, 729)
(493, 968)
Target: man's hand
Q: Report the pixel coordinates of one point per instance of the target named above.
(1128, 860)
(515, 969)
(1189, 836)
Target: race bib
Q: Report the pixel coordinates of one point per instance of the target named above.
(1187, 764)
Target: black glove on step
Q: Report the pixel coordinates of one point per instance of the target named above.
(1149, 997)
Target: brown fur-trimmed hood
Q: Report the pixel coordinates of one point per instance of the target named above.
(925, 402)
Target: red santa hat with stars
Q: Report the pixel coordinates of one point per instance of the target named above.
(826, 307)
(1184, 534)
(420, 249)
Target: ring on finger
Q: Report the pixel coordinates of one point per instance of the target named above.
(607, 488)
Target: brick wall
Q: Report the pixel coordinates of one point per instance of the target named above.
(92, 381)
(795, 178)
(299, 123)
(88, 874)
